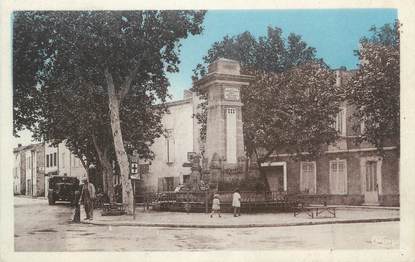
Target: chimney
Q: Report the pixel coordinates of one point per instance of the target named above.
(19, 145)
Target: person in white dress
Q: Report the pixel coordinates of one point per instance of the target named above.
(215, 205)
(236, 203)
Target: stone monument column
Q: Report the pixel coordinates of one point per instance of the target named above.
(224, 138)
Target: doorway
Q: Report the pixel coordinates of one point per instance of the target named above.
(371, 178)
(276, 174)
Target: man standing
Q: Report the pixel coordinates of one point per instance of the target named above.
(87, 197)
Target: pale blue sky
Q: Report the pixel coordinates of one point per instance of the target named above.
(335, 33)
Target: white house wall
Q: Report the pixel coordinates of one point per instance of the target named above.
(181, 122)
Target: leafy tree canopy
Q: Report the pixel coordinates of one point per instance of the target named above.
(59, 62)
(62, 62)
(291, 111)
(270, 53)
(374, 89)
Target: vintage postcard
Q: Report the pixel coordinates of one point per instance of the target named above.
(222, 131)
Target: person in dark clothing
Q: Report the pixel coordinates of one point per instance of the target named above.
(87, 198)
(77, 215)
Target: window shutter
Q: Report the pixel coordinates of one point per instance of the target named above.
(307, 178)
(160, 184)
(338, 177)
(341, 177)
(176, 181)
(165, 185)
(333, 177)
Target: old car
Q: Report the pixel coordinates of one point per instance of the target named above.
(62, 188)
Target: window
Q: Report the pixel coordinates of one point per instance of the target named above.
(169, 183)
(54, 159)
(186, 179)
(170, 146)
(338, 177)
(47, 160)
(308, 177)
(340, 123)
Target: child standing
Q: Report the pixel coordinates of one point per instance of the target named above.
(236, 203)
(215, 205)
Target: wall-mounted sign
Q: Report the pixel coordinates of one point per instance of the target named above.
(134, 168)
(135, 176)
(231, 93)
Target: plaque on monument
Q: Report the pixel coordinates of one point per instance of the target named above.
(231, 93)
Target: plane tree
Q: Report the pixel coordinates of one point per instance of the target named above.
(374, 90)
(106, 71)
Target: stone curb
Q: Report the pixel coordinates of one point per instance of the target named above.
(131, 224)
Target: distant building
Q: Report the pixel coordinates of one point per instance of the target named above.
(34, 164)
(34, 169)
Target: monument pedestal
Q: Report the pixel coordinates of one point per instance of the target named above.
(224, 138)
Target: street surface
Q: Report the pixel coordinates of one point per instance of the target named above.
(40, 227)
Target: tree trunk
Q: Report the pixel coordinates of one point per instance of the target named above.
(261, 171)
(106, 166)
(107, 177)
(121, 155)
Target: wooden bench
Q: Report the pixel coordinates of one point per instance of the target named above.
(314, 211)
(113, 209)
